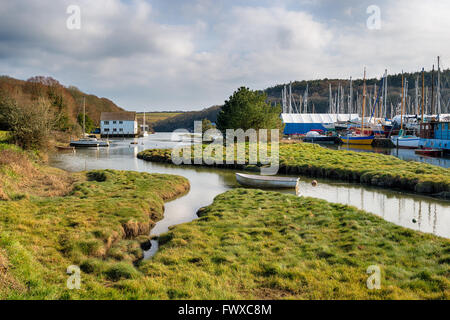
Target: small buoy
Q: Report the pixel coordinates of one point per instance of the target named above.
(314, 183)
(414, 221)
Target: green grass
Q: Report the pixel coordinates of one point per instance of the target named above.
(368, 168)
(4, 136)
(98, 225)
(249, 244)
(253, 244)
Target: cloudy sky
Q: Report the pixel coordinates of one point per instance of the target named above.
(191, 54)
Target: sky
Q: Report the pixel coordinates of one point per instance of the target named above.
(157, 55)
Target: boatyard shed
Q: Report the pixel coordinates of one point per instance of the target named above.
(301, 123)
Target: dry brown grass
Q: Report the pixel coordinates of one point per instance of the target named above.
(25, 177)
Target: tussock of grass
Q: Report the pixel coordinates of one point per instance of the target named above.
(368, 168)
(252, 244)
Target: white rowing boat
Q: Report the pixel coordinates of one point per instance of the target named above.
(266, 181)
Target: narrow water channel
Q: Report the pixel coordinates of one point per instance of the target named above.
(417, 212)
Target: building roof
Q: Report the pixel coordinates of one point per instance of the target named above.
(316, 117)
(121, 116)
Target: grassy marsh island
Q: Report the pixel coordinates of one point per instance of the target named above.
(253, 244)
(368, 168)
(97, 220)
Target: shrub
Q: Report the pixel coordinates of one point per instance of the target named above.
(30, 126)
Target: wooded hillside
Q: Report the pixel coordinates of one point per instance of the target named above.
(186, 120)
(66, 100)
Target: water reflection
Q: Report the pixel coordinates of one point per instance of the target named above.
(431, 215)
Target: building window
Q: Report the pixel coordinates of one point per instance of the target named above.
(106, 122)
(120, 122)
(106, 130)
(120, 129)
(114, 129)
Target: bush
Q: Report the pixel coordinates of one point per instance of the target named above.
(30, 126)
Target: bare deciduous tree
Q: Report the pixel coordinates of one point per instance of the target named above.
(31, 126)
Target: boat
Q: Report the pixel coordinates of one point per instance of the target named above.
(434, 131)
(357, 139)
(402, 140)
(360, 139)
(266, 181)
(317, 137)
(429, 152)
(436, 135)
(405, 141)
(87, 142)
(329, 126)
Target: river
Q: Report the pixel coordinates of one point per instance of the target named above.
(416, 212)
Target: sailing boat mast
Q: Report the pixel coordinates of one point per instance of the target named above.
(385, 94)
(84, 116)
(438, 94)
(423, 88)
(401, 109)
(432, 91)
(364, 103)
(331, 99)
(290, 97)
(417, 95)
(306, 100)
(350, 103)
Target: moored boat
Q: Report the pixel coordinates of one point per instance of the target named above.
(361, 140)
(317, 137)
(87, 142)
(266, 181)
(405, 141)
(429, 152)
